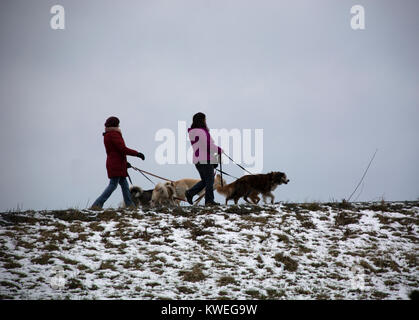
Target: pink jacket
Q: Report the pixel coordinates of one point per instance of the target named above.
(203, 146)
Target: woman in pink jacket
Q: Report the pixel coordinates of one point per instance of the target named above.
(203, 157)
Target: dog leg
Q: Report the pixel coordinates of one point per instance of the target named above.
(271, 195)
(254, 197)
(247, 200)
(264, 196)
(228, 198)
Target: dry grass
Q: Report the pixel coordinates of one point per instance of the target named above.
(230, 252)
(289, 263)
(226, 280)
(344, 217)
(194, 275)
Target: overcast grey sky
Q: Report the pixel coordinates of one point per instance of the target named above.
(325, 95)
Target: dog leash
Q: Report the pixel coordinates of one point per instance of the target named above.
(237, 164)
(151, 174)
(129, 178)
(227, 174)
(221, 170)
(143, 175)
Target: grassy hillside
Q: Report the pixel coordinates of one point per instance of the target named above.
(282, 251)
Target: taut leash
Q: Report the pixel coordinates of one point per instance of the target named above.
(237, 164)
(227, 174)
(141, 171)
(151, 174)
(221, 170)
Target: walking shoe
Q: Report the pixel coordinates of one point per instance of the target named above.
(212, 203)
(188, 197)
(96, 208)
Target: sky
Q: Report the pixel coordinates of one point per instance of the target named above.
(325, 95)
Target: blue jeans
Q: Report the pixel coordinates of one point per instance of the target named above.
(113, 183)
(206, 172)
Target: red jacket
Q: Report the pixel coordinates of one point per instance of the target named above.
(116, 161)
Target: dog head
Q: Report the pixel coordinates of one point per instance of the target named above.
(279, 177)
(162, 193)
(169, 184)
(136, 193)
(140, 196)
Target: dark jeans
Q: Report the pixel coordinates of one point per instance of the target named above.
(113, 183)
(206, 172)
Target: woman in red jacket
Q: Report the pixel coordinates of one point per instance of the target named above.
(116, 163)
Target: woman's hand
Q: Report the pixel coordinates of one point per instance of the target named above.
(141, 156)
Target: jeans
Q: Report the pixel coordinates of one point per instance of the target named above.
(206, 172)
(113, 183)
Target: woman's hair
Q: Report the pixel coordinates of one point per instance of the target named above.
(112, 122)
(198, 121)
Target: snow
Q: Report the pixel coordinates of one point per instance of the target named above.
(186, 253)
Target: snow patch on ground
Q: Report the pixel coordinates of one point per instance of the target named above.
(282, 251)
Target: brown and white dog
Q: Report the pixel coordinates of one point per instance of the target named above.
(172, 192)
(263, 184)
(250, 186)
(163, 195)
(180, 187)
